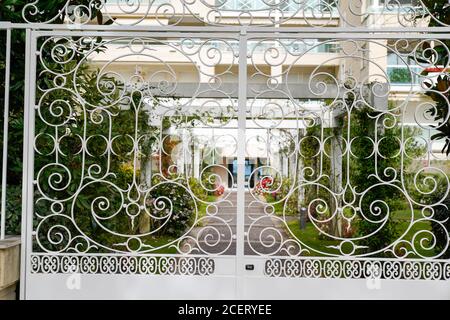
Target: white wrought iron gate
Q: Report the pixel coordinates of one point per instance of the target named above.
(238, 161)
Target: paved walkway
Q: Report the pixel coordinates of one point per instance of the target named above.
(263, 234)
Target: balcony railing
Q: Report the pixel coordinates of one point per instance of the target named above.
(293, 47)
(124, 4)
(310, 6)
(313, 6)
(393, 7)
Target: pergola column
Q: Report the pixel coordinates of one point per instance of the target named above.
(336, 173)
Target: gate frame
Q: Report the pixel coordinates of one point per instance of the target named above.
(245, 285)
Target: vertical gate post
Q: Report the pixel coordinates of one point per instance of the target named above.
(28, 175)
(5, 134)
(9, 248)
(242, 114)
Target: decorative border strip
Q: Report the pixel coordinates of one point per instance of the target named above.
(276, 267)
(216, 13)
(358, 269)
(115, 264)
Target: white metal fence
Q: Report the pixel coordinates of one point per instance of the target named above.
(164, 160)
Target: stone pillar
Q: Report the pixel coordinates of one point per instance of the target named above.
(9, 267)
(336, 174)
(206, 73)
(353, 12)
(146, 166)
(276, 73)
(299, 171)
(148, 170)
(144, 221)
(197, 163)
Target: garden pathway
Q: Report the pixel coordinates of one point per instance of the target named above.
(264, 235)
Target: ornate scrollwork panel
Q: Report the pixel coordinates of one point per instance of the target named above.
(129, 154)
(313, 13)
(348, 163)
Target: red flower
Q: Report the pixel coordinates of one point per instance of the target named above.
(266, 182)
(263, 185)
(220, 190)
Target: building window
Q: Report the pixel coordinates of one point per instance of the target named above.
(400, 2)
(242, 5)
(121, 2)
(402, 70)
(394, 3)
(317, 6)
(391, 6)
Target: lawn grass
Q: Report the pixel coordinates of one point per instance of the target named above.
(405, 214)
(159, 241)
(417, 227)
(278, 207)
(311, 237)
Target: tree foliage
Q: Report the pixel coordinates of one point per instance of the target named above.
(439, 91)
(11, 11)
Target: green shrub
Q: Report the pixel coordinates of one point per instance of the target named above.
(281, 188)
(182, 205)
(13, 210)
(197, 189)
(441, 230)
